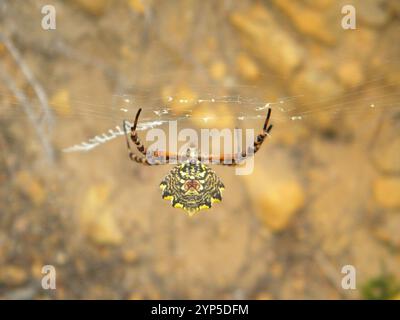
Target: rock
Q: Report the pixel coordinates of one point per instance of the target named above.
(394, 7)
(366, 40)
(383, 53)
(36, 269)
(386, 152)
(396, 297)
(264, 296)
(11, 275)
(265, 38)
(218, 70)
(281, 204)
(386, 192)
(247, 67)
(94, 7)
(280, 197)
(129, 256)
(308, 21)
(319, 4)
(30, 187)
(373, 12)
(276, 270)
(388, 230)
(137, 6)
(2, 49)
(350, 74)
(128, 53)
(97, 219)
(60, 102)
(135, 296)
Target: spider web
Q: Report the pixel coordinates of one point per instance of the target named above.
(204, 106)
(98, 116)
(240, 103)
(242, 108)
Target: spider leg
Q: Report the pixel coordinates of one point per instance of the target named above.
(256, 146)
(138, 159)
(130, 153)
(266, 130)
(134, 136)
(143, 160)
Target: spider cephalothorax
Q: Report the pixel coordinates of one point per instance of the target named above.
(191, 185)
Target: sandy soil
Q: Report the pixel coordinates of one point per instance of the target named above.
(325, 189)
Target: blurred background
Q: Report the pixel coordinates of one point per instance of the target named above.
(325, 191)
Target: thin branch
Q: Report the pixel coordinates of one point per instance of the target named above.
(39, 91)
(28, 109)
(331, 273)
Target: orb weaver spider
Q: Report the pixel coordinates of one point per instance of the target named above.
(191, 185)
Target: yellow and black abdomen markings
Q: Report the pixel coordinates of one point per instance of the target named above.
(208, 192)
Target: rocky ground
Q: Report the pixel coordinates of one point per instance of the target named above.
(324, 192)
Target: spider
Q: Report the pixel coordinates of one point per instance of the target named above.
(191, 185)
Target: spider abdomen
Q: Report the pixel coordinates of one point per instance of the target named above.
(192, 186)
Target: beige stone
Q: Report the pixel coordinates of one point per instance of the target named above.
(387, 192)
(281, 194)
(137, 6)
(308, 21)
(2, 49)
(264, 37)
(350, 74)
(320, 4)
(387, 231)
(61, 103)
(31, 187)
(12, 275)
(97, 219)
(218, 70)
(264, 296)
(95, 7)
(386, 151)
(247, 67)
(129, 255)
(373, 12)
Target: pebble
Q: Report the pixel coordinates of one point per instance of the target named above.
(308, 21)
(137, 6)
(129, 256)
(218, 70)
(281, 196)
(97, 219)
(386, 192)
(373, 12)
(61, 103)
(264, 37)
(386, 153)
(247, 67)
(94, 7)
(12, 275)
(31, 187)
(388, 230)
(350, 74)
(319, 4)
